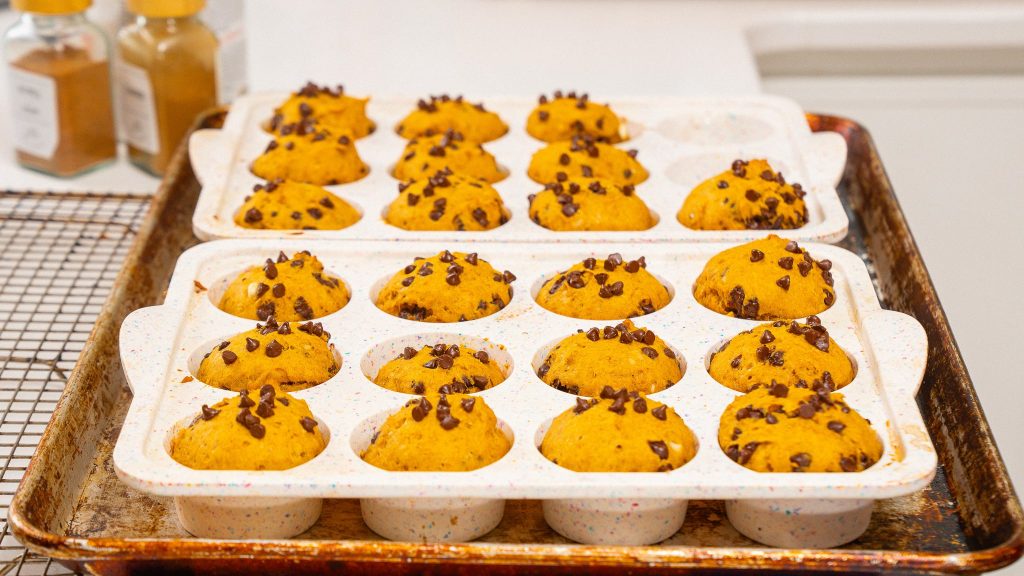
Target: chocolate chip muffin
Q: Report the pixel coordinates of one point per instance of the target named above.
(438, 432)
(589, 204)
(280, 205)
(583, 156)
(426, 155)
(767, 279)
(447, 287)
(441, 368)
(621, 432)
(304, 154)
(791, 353)
(324, 107)
(750, 196)
(787, 429)
(274, 432)
(568, 114)
(447, 201)
(442, 113)
(625, 355)
(289, 289)
(609, 289)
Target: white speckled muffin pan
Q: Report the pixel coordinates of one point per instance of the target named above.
(680, 141)
(161, 346)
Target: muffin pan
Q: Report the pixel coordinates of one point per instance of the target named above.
(159, 347)
(680, 141)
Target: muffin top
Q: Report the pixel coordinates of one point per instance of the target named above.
(289, 289)
(447, 287)
(281, 205)
(767, 279)
(583, 156)
(426, 155)
(608, 289)
(623, 355)
(324, 107)
(750, 196)
(782, 428)
(447, 201)
(589, 204)
(441, 368)
(438, 432)
(312, 156)
(443, 113)
(620, 432)
(567, 114)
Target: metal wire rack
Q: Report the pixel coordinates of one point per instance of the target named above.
(61, 254)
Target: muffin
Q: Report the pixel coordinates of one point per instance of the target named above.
(750, 196)
(625, 355)
(425, 155)
(609, 289)
(275, 432)
(461, 434)
(565, 115)
(311, 156)
(443, 113)
(441, 368)
(290, 289)
(794, 354)
(585, 157)
(447, 287)
(621, 432)
(324, 107)
(280, 205)
(447, 201)
(290, 358)
(589, 204)
(787, 429)
(767, 279)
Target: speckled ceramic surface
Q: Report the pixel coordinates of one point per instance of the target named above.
(680, 141)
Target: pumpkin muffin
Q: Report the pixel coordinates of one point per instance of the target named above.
(589, 204)
(447, 201)
(767, 279)
(750, 196)
(585, 157)
(781, 428)
(609, 289)
(438, 433)
(621, 432)
(280, 205)
(304, 154)
(565, 115)
(447, 287)
(625, 355)
(441, 368)
(324, 107)
(790, 353)
(289, 289)
(274, 432)
(426, 155)
(443, 113)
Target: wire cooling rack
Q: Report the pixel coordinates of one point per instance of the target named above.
(61, 254)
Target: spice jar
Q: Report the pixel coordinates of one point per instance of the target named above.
(58, 71)
(166, 76)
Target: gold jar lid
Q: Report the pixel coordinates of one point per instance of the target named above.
(51, 6)
(165, 8)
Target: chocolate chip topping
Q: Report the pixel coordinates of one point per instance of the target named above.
(278, 290)
(274, 349)
(756, 255)
(801, 459)
(659, 447)
(209, 413)
(302, 308)
(661, 412)
(836, 426)
(468, 403)
(308, 424)
(270, 269)
(229, 357)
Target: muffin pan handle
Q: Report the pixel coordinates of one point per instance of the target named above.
(901, 344)
(136, 339)
(206, 153)
(828, 150)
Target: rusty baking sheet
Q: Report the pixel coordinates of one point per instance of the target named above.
(72, 507)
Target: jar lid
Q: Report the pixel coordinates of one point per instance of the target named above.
(165, 8)
(51, 6)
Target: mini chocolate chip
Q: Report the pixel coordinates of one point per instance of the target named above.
(481, 356)
(302, 308)
(806, 411)
(848, 464)
(278, 290)
(783, 282)
(229, 357)
(804, 267)
(270, 269)
(251, 344)
(767, 337)
(722, 184)
(792, 246)
(265, 310)
(308, 424)
(274, 349)
(668, 352)
(649, 352)
(467, 404)
(736, 361)
(661, 412)
(209, 413)
(779, 390)
(786, 263)
(640, 405)
(256, 429)
(756, 255)
(252, 215)
(752, 195)
(836, 426)
(508, 277)
(659, 447)
(802, 459)
(453, 279)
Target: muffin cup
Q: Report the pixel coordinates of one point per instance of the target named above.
(432, 519)
(241, 517)
(800, 523)
(616, 521)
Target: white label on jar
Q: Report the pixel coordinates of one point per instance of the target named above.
(34, 106)
(138, 110)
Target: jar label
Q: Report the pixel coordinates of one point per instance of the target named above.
(34, 105)
(138, 109)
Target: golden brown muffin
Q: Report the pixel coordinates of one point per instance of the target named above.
(624, 355)
(447, 201)
(304, 154)
(565, 115)
(279, 205)
(425, 156)
(609, 289)
(794, 354)
(290, 289)
(443, 113)
(276, 432)
(621, 432)
(584, 157)
(443, 433)
(789, 429)
(325, 107)
(589, 204)
(441, 368)
(767, 279)
(750, 196)
(290, 358)
(447, 287)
